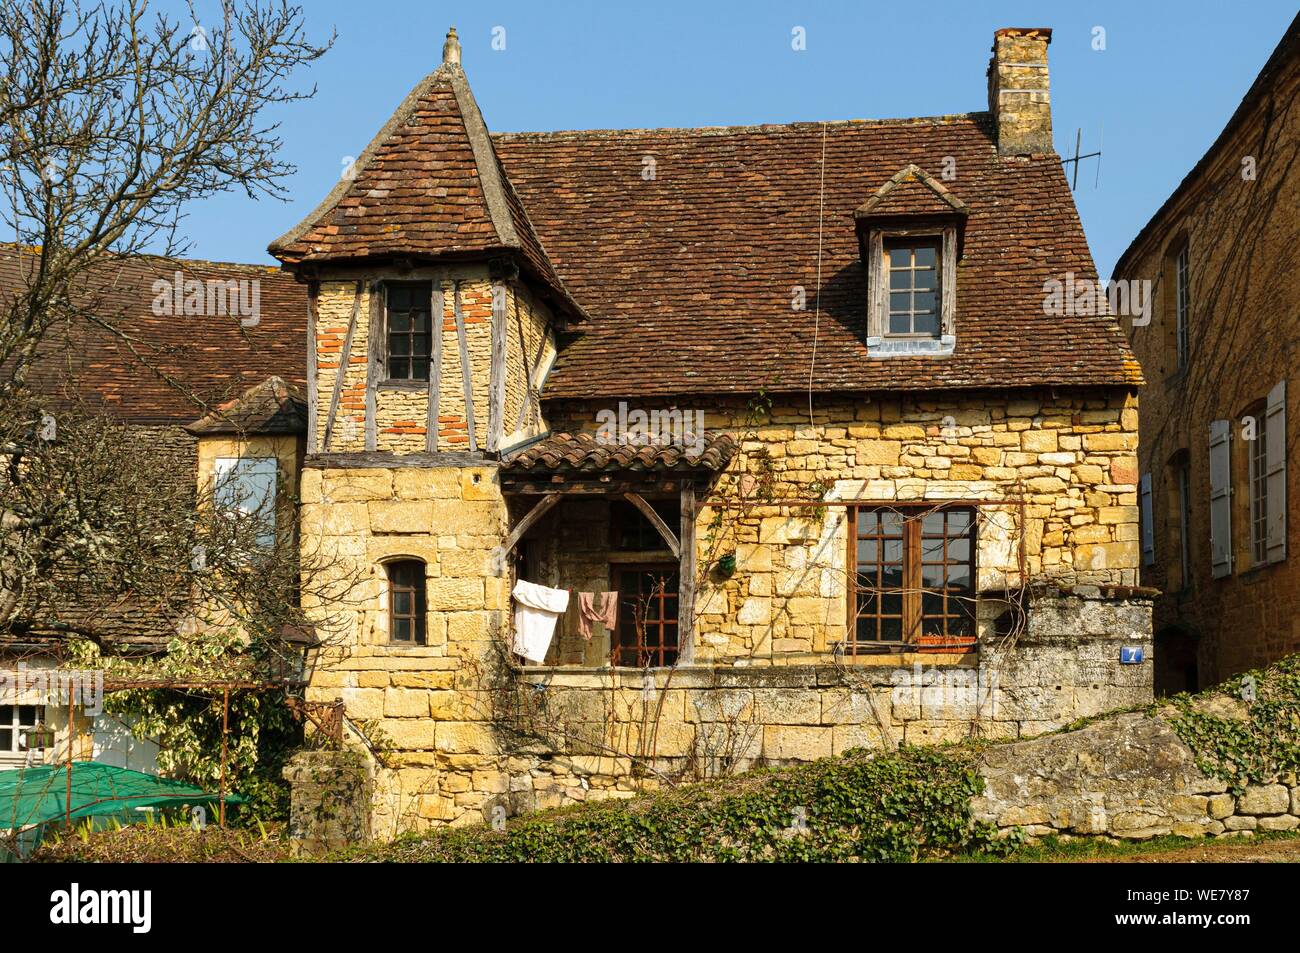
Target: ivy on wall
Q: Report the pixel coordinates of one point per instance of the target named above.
(898, 807)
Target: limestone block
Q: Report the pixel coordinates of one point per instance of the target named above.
(786, 706)
(789, 743)
(401, 516)
(1283, 822)
(1260, 799)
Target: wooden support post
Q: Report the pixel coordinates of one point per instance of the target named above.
(686, 578)
(225, 732)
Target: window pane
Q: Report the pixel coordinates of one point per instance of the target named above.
(925, 256)
(958, 521)
(6, 739)
(401, 630)
(891, 630)
(923, 279)
(894, 551)
(900, 324)
(420, 322)
(27, 715)
(932, 523)
(923, 301)
(866, 630)
(867, 552)
(900, 257)
(399, 368)
(926, 323)
(931, 604)
(402, 601)
(891, 603)
(900, 279)
(420, 369)
(959, 549)
(399, 345)
(959, 577)
(868, 522)
(900, 301)
(933, 576)
(891, 523)
(398, 323)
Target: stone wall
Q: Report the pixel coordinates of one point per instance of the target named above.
(1128, 776)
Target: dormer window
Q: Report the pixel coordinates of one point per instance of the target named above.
(913, 302)
(910, 234)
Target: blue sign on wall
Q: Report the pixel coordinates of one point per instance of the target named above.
(1132, 655)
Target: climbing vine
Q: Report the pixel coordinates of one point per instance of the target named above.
(1249, 731)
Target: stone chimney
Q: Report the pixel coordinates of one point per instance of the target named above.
(1019, 92)
(451, 48)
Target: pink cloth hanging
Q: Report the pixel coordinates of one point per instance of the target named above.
(599, 607)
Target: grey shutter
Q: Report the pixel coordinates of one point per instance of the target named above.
(1275, 471)
(1148, 529)
(1220, 499)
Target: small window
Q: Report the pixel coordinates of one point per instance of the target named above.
(912, 305)
(1257, 451)
(913, 578)
(1182, 308)
(406, 615)
(16, 721)
(646, 634)
(245, 487)
(409, 331)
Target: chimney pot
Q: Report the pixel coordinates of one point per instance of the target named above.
(1020, 90)
(451, 48)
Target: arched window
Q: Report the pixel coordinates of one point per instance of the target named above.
(406, 601)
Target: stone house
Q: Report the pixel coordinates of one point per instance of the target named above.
(1221, 256)
(791, 392)
(850, 491)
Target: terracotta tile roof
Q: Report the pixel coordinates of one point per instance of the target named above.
(173, 367)
(428, 186)
(586, 453)
(689, 276)
(272, 407)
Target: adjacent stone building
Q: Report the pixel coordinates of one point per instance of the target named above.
(1221, 258)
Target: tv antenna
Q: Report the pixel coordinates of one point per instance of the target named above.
(1077, 158)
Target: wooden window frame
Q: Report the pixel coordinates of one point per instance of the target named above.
(911, 613)
(1257, 486)
(912, 245)
(652, 655)
(418, 616)
(422, 291)
(1182, 307)
(878, 236)
(11, 721)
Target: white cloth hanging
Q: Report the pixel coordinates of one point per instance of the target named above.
(537, 608)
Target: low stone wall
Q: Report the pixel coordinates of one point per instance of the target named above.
(1126, 776)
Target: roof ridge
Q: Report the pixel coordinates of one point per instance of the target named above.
(811, 124)
(150, 256)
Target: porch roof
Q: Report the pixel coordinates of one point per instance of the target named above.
(587, 453)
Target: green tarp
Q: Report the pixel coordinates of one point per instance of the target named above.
(37, 795)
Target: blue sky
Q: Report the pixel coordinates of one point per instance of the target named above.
(1170, 76)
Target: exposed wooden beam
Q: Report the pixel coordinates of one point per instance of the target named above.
(374, 363)
(344, 358)
(648, 511)
(497, 379)
(542, 507)
(313, 365)
(466, 371)
(686, 578)
(436, 308)
(357, 460)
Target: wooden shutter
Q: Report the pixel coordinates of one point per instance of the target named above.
(1148, 528)
(1220, 499)
(1275, 471)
